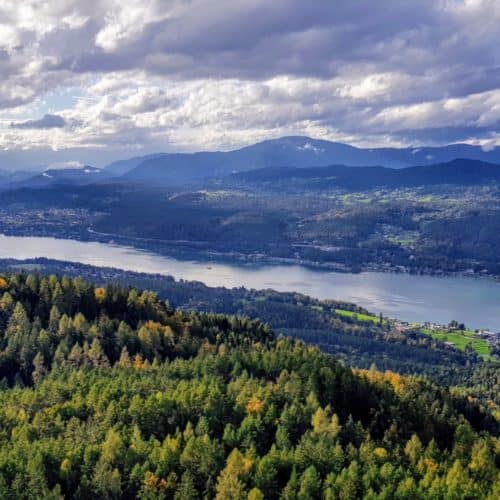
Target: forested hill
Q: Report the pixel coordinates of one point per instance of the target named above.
(108, 392)
(459, 172)
(294, 151)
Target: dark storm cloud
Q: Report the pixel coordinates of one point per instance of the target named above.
(249, 39)
(47, 121)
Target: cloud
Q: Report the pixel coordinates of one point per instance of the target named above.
(47, 121)
(64, 165)
(309, 147)
(169, 74)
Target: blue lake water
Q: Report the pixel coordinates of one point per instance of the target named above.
(476, 302)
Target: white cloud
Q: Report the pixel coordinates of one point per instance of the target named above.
(63, 165)
(170, 74)
(124, 24)
(310, 147)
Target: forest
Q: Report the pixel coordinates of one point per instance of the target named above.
(109, 391)
(431, 229)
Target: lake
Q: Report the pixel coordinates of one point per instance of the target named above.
(476, 302)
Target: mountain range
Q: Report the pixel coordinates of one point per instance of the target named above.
(55, 176)
(462, 172)
(293, 152)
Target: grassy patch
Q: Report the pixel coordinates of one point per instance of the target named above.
(356, 316)
(460, 339)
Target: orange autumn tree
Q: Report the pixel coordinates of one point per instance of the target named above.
(254, 406)
(398, 382)
(100, 294)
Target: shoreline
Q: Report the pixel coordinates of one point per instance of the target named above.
(191, 250)
(49, 265)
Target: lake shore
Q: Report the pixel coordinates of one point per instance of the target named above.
(195, 250)
(414, 298)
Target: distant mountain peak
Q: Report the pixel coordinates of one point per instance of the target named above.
(76, 175)
(293, 151)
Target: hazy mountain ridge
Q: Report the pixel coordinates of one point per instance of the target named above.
(8, 177)
(292, 151)
(295, 151)
(455, 172)
(120, 167)
(53, 176)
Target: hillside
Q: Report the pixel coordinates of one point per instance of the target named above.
(9, 178)
(460, 172)
(59, 176)
(108, 392)
(356, 342)
(437, 228)
(120, 167)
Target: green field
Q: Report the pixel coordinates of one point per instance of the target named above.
(460, 339)
(358, 316)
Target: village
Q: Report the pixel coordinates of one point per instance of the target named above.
(455, 334)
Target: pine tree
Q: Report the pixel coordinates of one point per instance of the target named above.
(255, 494)
(291, 490)
(39, 369)
(124, 360)
(310, 484)
(54, 318)
(96, 355)
(19, 324)
(413, 449)
(229, 485)
(186, 489)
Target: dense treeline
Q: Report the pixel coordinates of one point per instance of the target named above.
(108, 392)
(45, 320)
(426, 229)
(360, 344)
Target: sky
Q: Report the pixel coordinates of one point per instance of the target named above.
(97, 80)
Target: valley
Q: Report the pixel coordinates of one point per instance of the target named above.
(431, 230)
(315, 225)
(249, 250)
(392, 272)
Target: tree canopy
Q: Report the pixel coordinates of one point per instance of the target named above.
(109, 392)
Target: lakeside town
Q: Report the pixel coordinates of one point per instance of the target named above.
(455, 334)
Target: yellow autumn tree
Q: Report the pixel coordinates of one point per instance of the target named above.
(100, 294)
(397, 381)
(155, 337)
(124, 358)
(230, 485)
(254, 405)
(323, 422)
(138, 362)
(255, 494)
(413, 449)
(112, 447)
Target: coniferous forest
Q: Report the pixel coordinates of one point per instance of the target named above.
(111, 393)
